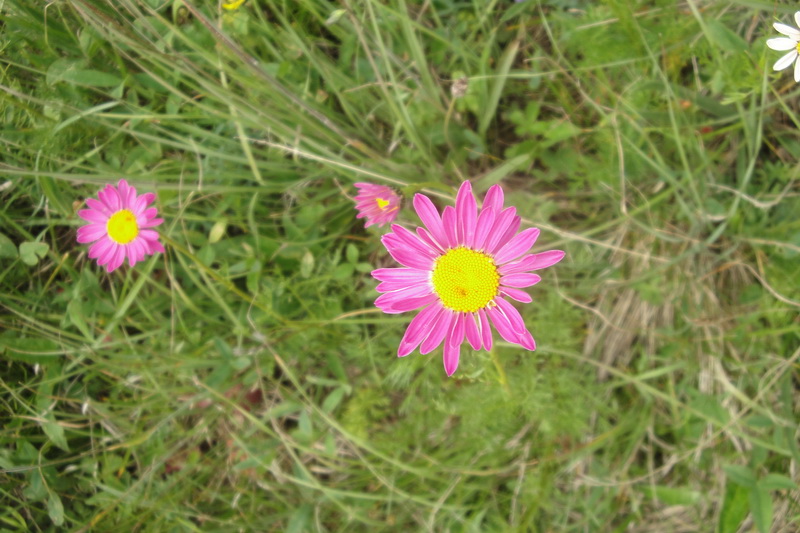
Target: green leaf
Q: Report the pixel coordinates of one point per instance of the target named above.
(7, 248)
(55, 432)
(352, 253)
(777, 482)
(55, 509)
(724, 37)
(761, 507)
(673, 495)
(494, 176)
(90, 77)
(31, 252)
(734, 509)
(333, 400)
(741, 475)
(307, 264)
(27, 350)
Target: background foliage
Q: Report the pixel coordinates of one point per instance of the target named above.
(244, 380)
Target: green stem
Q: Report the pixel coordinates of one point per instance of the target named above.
(501, 373)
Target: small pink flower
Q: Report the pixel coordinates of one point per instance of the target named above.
(119, 224)
(461, 269)
(378, 203)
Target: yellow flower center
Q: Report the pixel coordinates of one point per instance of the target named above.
(797, 47)
(465, 280)
(122, 227)
(382, 203)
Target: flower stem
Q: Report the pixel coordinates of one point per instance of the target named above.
(502, 378)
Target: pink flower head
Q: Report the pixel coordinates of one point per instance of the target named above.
(380, 204)
(118, 223)
(461, 269)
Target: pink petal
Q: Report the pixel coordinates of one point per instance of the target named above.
(97, 206)
(143, 201)
(486, 331)
(396, 306)
(110, 198)
(428, 239)
(412, 241)
(466, 208)
(502, 324)
(152, 223)
(510, 232)
(430, 217)
(400, 274)
(100, 248)
(449, 222)
(520, 280)
(438, 332)
(154, 247)
(91, 233)
(493, 199)
(405, 256)
(471, 331)
(517, 246)
(482, 228)
(418, 329)
(456, 335)
(516, 294)
(501, 224)
(532, 262)
(148, 235)
(511, 312)
(122, 189)
(415, 290)
(117, 258)
(451, 356)
(92, 215)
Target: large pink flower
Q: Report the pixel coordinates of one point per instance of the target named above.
(460, 269)
(377, 203)
(118, 226)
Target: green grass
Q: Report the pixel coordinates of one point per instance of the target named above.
(244, 381)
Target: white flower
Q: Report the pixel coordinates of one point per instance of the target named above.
(791, 42)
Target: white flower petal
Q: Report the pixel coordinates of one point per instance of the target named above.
(787, 30)
(797, 72)
(782, 43)
(797, 18)
(785, 61)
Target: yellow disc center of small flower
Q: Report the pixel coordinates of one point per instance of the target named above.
(122, 227)
(797, 47)
(382, 203)
(465, 280)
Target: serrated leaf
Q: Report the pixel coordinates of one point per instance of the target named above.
(31, 252)
(55, 509)
(761, 508)
(741, 475)
(7, 248)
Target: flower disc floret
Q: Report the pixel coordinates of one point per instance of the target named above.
(465, 280)
(122, 227)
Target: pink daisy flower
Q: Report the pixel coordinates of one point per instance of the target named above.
(118, 225)
(461, 269)
(378, 203)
